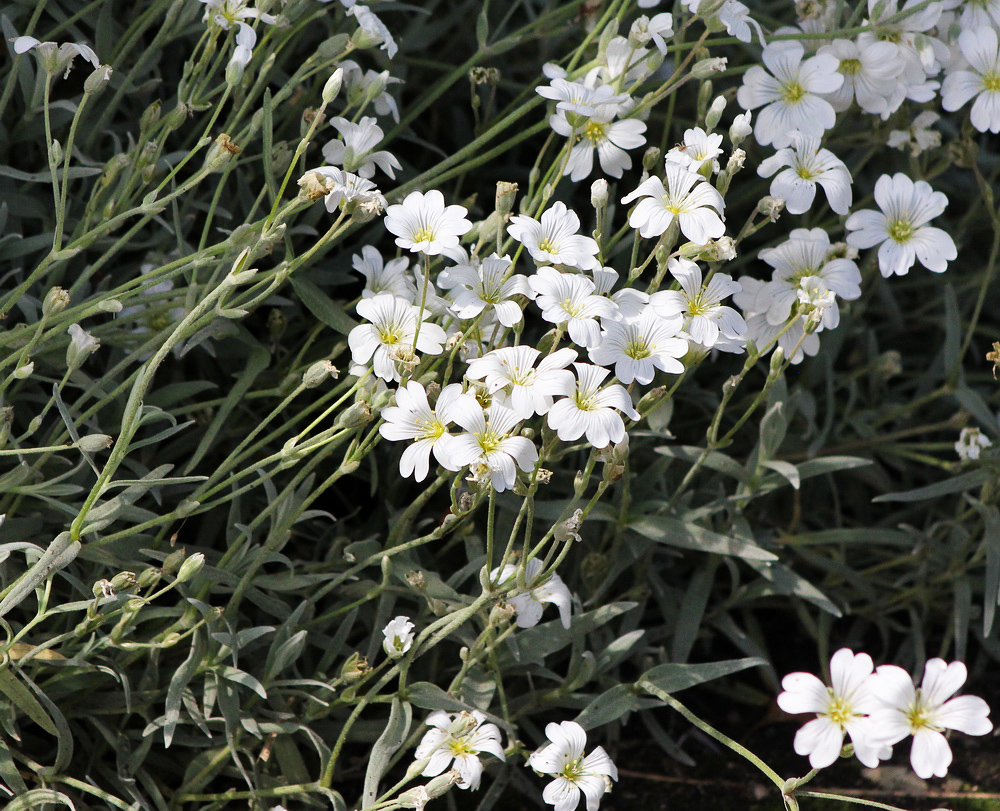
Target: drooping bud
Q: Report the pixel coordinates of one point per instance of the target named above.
(92, 443)
(97, 80)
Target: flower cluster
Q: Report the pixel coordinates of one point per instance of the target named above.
(879, 707)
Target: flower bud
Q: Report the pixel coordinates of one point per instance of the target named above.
(173, 561)
(355, 416)
(123, 580)
(506, 193)
(777, 359)
(704, 68)
(649, 400)
(186, 507)
(332, 87)
(110, 305)
(81, 347)
(148, 578)
(150, 117)
(651, 158)
(176, 117)
(714, 113)
(55, 152)
(599, 193)
(97, 80)
(191, 567)
(740, 128)
(319, 373)
(24, 372)
(92, 443)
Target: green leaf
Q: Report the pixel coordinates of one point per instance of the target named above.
(685, 535)
(392, 737)
(37, 798)
(672, 678)
(21, 698)
(714, 460)
(322, 306)
(609, 706)
(534, 644)
(61, 552)
(956, 484)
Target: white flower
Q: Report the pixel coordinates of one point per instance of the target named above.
(919, 137)
(793, 340)
(360, 86)
(455, 741)
(389, 337)
(900, 229)
(660, 27)
(697, 149)
(354, 153)
(980, 48)
(842, 707)
(475, 289)
(225, 13)
(346, 189)
(422, 223)
(685, 196)
(637, 348)
(373, 31)
(527, 390)
(554, 240)
(55, 58)
(574, 770)
(609, 138)
(790, 93)
(629, 301)
(705, 317)
(926, 712)
(384, 277)
(580, 100)
(413, 418)
(569, 298)
(805, 255)
(489, 446)
(398, 635)
(807, 165)
(531, 604)
(870, 71)
(735, 16)
(970, 443)
(978, 14)
(589, 409)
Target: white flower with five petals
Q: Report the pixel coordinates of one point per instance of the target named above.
(455, 741)
(570, 299)
(587, 409)
(806, 165)
(554, 239)
(526, 389)
(684, 196)
(706, 318)
(530, 604)
(422, 223)
(575, 771)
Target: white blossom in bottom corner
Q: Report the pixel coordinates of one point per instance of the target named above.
(925, 712)
(575, 771)
(455, 741)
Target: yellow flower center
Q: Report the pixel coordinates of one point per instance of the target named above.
(804, 172)
(850, 67)
(573, 770)
(637, 349)
(792, 92)
(547, 246)
(991, 82)
(594, 132)
(900, 230)
(425, 234)
(839, 710)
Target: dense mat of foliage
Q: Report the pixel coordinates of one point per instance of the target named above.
(395, 397)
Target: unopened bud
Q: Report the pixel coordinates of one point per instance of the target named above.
(123, 580)
(355, 416)
(740, 128)
(176, 117)
(148, 577)
(649, 400)
(777, 360)
(599, 193)
(150, 117)
(714, 113)
(505, 196)
(332, 87)
(173, 561)
(92, 443)
(354, 668)
(97, 80)
(55, 152)
(318, 373)
(704, 68)
(24, 372)
(191, 567)
(651, 158)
